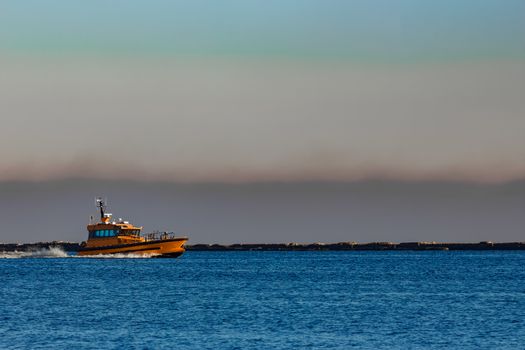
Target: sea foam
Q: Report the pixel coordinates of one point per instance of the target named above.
(52, 252)
(55, 252)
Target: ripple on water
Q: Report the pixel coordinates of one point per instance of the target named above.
(274, 300)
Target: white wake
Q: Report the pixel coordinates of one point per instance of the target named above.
(59, 253)
(40, 253)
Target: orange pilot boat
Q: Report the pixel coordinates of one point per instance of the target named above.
(121, 237)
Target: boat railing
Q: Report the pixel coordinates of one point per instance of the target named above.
(158, 236)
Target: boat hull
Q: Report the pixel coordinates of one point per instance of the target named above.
(165, 248)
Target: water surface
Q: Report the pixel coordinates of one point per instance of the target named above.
(273, 300)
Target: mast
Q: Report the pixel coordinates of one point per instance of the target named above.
(102, 206)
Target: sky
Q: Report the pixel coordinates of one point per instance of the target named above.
(242, 93)
(305, 212)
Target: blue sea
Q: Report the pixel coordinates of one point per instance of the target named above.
(265, 300)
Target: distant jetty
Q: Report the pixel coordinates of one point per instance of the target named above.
(359, 246)
(341, 246)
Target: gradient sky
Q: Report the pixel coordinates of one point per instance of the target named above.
(262, 90)
(361, 211)
(244, 92)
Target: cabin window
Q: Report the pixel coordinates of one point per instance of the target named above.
(103, 233)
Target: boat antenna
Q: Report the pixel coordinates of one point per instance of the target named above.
(100, 203)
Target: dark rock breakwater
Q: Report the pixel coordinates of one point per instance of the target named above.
(341, 246)
(359, 246)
